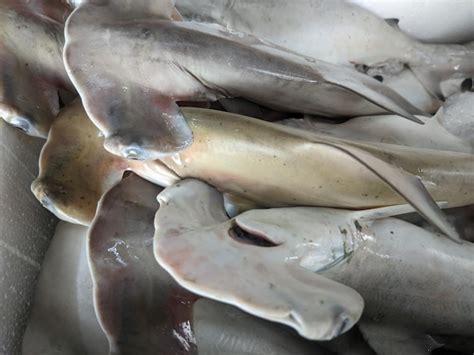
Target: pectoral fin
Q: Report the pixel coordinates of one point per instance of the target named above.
(375, 92)
(406, 185)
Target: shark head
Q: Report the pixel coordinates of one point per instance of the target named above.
(262, 261)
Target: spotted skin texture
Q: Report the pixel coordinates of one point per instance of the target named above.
(358, 176)
(75, 169)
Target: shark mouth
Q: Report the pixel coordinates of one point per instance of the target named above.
(242, 235)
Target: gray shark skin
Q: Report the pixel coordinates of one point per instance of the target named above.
(130, 69)
(385, 174)
(311, 28)
(143, 310)
(405, 274)
(191, 233)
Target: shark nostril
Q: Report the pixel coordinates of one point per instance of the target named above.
(244, 237)
(344, 322)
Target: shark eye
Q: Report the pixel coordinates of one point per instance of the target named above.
(242, 236)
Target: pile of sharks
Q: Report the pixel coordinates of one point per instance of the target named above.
(304, 161)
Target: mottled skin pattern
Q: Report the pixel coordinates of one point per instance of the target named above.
(131, 70)
(31, 67)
